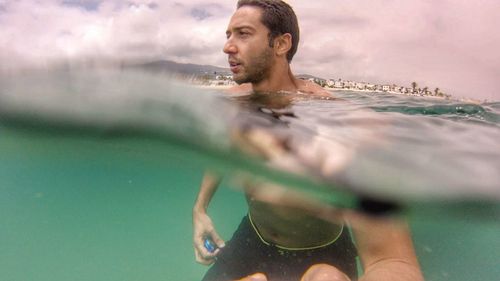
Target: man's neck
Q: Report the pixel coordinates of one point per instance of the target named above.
(280, 78)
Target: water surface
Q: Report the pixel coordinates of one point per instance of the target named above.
(99, 171)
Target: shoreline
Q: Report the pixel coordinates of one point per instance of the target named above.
(224, 87)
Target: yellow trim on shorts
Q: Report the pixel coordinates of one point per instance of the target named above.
(292, 249)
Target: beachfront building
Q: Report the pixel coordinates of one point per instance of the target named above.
(338, 84)
(349, 84)
(224, 77)
(219, 83)
(361, 85)
(319, 81)
(371, 87)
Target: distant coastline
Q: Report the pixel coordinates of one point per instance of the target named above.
(229, 85)
(225, 81)
(208, 76)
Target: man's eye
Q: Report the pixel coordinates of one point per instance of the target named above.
(244, 34)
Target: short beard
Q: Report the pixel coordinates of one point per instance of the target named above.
(258, 68)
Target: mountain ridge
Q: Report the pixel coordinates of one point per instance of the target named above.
(182, 68)
(191, 69)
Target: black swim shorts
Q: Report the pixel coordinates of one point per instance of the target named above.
(246, 254)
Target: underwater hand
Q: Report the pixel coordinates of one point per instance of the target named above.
(203, 229)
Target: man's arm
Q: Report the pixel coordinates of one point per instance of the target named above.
(386, 249)
(203, 227)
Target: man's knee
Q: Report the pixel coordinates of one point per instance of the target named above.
(255, 277)
(324, 272)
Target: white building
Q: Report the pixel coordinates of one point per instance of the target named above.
(338, 84)
(330, 83)
(361, 85)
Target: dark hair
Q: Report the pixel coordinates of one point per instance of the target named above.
(279, 18)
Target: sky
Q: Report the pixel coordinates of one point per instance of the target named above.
(450, 44)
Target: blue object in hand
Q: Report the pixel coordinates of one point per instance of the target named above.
(209, 245)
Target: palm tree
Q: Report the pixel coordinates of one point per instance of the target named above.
(414, 86)
(436, 91)
(424, 90)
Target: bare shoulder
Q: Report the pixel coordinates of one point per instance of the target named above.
(239, 89)
(312, 88)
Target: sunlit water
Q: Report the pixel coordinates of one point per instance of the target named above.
(99, 170)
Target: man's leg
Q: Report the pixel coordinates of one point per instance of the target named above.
(324, 272)
(318, 272)
(239, 258)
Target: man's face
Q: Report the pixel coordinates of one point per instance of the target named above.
(250, 57)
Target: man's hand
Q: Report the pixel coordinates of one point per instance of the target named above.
(203, 228)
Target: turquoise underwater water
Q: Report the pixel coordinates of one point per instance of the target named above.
(80, 203)
(87, 208)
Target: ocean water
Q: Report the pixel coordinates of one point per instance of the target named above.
(99, 169)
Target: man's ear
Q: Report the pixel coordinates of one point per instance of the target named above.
(283, 44)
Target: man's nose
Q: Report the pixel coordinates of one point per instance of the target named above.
(229, 47)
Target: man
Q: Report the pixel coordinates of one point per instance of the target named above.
(260, 47)
(283, 238)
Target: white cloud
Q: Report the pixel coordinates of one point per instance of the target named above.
(447, 44)
(32, 31)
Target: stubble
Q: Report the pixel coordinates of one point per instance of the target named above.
(258, 68)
